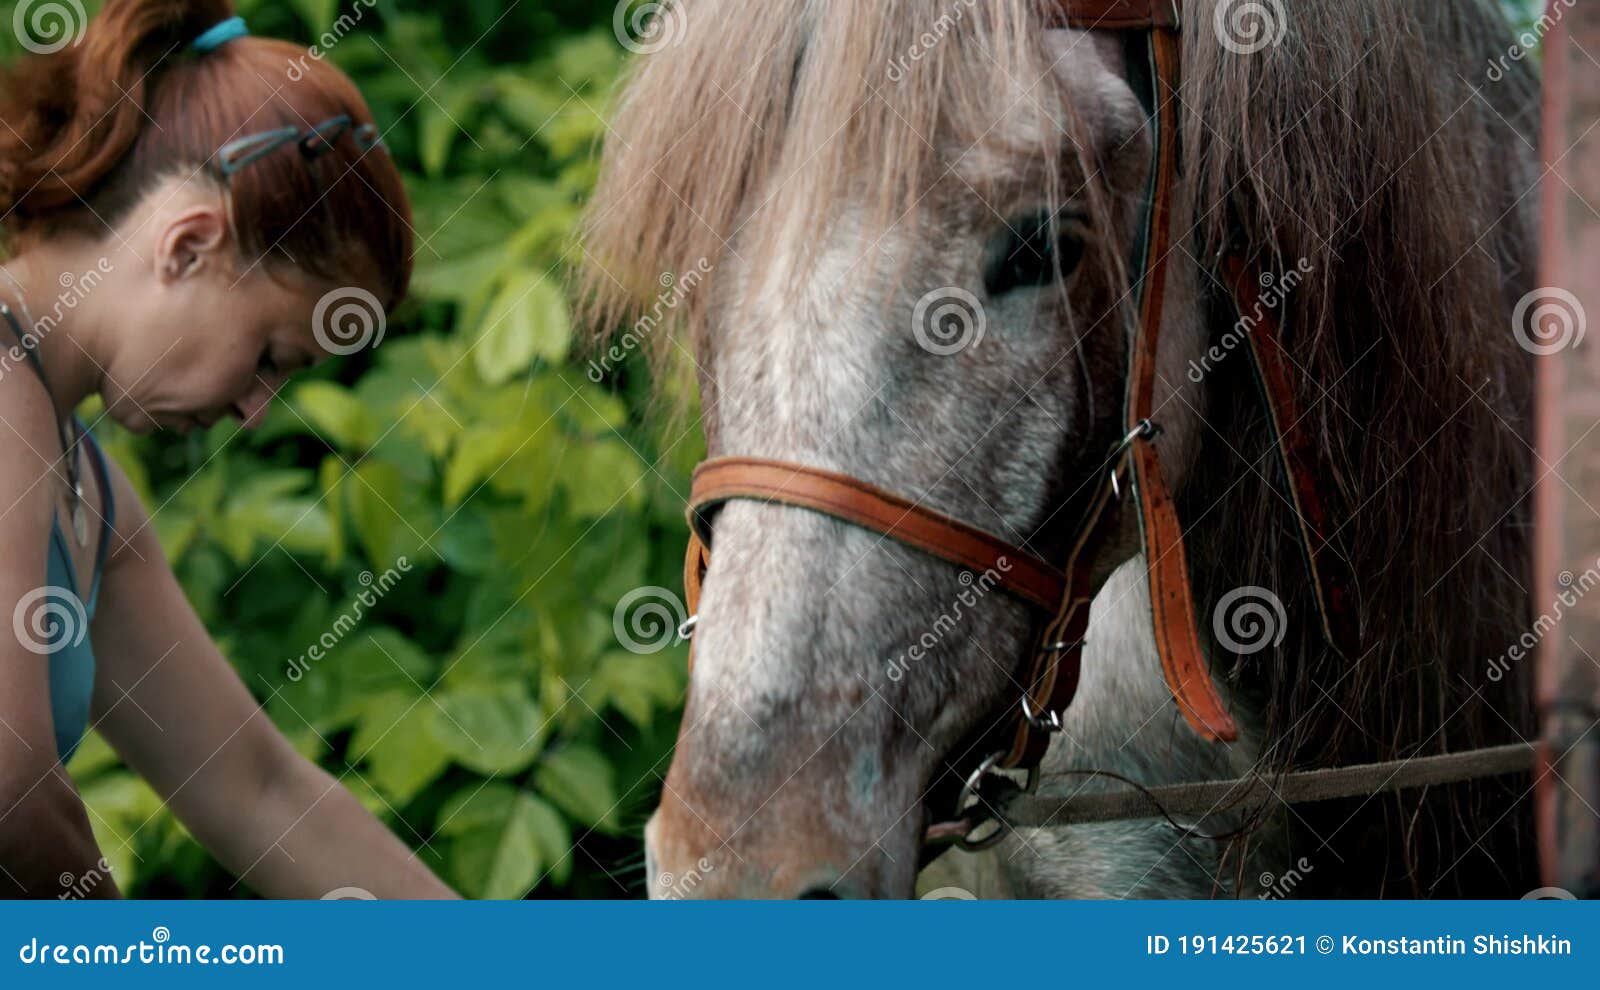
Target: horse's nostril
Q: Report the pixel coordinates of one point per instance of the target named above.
(817, 894)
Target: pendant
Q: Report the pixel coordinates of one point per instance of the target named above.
(80, 519)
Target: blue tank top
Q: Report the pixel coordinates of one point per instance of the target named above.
(54, 620)
(71, 650)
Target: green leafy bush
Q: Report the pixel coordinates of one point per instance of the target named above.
(447, 520)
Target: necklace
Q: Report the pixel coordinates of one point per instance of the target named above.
(70, 432)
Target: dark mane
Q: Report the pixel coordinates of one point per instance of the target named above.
(1358, 144)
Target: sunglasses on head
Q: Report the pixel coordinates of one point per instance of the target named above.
(313, 143)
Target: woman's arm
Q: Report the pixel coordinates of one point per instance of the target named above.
(45, 837)
(172, 706)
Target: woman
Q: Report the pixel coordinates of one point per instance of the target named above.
(201, 199)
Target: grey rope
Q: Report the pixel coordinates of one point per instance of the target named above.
(1055, 806)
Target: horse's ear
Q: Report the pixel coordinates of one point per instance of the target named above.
(1099, 103)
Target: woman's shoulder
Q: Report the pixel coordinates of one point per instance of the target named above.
(30, 449)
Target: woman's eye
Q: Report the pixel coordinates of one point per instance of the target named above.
(1032, 254)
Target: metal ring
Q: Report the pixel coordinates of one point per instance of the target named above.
(686, 627)
(1144, 428)
(1043, 721)
(969, 789)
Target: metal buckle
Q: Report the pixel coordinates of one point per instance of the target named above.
(686, 627)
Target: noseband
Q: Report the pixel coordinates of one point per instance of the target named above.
(1061, 593)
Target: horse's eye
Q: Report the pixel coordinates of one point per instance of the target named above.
(1031, 254)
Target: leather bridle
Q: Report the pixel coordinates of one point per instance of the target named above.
(1061, 593)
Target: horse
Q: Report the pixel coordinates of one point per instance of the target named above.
(917, 221)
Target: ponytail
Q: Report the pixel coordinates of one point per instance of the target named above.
(76, 112)
(94, 125)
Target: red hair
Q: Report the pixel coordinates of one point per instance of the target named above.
(94, 127)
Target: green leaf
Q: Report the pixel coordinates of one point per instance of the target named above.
(500, 841)
(318, 15)
(395, 738)
(580, 782)
(336, 415)
(495, 729)
(375, 491)
(528, 319)
(603, 477)
(481, 451)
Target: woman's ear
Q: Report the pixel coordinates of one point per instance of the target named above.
(191, 241)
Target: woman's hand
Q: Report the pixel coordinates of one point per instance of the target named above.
(172, 706)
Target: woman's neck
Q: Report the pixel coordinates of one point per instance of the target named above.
(49, 292)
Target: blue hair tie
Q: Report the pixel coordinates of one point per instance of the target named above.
(221, 34)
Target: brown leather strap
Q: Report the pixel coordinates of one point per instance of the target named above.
(1118, 15)
(1171, 598)
(1019, 572)
(1332, 578)
(1057, 664)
